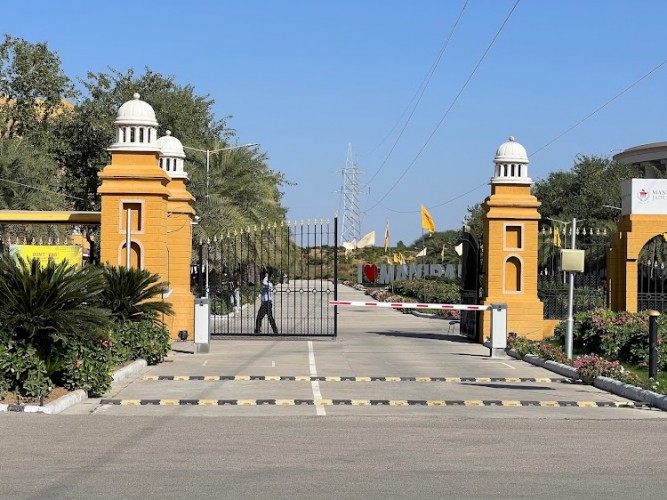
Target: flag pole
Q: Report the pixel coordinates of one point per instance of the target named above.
(423, 260)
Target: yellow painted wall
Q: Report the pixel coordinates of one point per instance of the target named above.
(634, 231)
(135, 180)
(510, 259)
(179, 244)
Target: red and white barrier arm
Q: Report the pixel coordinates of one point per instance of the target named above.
(410, 305)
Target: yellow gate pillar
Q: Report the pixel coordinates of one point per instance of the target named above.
(511, 243)
(136, 190)
(179, 235)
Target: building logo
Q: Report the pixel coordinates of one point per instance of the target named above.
(642, 195)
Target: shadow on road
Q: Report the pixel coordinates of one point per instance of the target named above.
(430, 336)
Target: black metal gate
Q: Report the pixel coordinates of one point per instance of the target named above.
(302, 264)
(651, 275)
(470, 283)
(553, 284)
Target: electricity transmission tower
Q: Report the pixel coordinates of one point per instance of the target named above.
(351, 228)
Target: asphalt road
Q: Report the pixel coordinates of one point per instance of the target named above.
(246, 450)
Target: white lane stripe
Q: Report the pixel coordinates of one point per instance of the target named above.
(315, 384)
(204, 364)
(510, 366)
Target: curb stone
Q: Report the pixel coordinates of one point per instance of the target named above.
(73, 397)
(603, 383)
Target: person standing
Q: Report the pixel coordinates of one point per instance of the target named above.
(235, 288)
(266, 307)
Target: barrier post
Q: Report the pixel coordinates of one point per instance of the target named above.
(202, 334)
(498, 330)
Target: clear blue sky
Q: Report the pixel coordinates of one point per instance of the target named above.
(305, 78)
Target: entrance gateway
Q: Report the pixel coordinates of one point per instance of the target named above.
(302, 260)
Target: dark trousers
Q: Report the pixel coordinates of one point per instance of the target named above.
(266, 309)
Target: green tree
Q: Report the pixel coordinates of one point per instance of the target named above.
(583, 192)
(32, 89)
(28, 178)
(133, 294)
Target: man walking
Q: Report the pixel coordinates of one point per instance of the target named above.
(266, 308)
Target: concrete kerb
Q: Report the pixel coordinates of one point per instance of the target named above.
(603, 383)
(74, 397)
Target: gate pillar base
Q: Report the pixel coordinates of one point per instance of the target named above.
(202, 333)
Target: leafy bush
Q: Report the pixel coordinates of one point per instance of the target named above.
(88, 364)
(146, 340)
(435, 290)
(614, 335)
(23, 371)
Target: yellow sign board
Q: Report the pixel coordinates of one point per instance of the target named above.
(72, 253)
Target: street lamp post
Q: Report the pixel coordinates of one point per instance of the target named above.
(209, 152)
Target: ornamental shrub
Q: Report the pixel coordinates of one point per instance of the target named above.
(88, 364)
(140, 340)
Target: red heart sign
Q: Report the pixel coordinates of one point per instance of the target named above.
(371, 272)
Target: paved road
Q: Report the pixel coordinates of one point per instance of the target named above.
(96, 450)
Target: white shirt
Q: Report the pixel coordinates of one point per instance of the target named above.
(267, 290)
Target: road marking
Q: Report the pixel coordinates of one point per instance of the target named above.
(205, 362)
(320, 403)
(331, 378)
(273, 364)
(317, 395)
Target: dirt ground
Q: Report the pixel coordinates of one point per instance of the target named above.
(11, 399)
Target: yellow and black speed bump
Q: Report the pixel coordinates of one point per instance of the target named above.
(371, 402)
(306, 378)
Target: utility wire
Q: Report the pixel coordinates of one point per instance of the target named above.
(437, 127)
(419, 94)
(600, 108)
(549, 143)
(41, 189)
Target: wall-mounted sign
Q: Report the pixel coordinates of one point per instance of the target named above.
(384, 274)
(73, 253)
(644, 196)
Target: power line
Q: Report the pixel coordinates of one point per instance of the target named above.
(549, 143)
(600, 108)
(42, 189)
(421, 150)
(419, 94)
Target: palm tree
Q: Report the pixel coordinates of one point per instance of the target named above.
(37, 304)
(133, 294)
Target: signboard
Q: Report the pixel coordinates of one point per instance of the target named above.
(73, 253)
(644, 196)
(384, 274)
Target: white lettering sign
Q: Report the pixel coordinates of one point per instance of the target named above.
(644, 196)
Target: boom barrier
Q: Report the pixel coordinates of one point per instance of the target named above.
(498, 340)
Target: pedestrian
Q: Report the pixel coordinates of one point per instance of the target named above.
(266, 308)
(235, 289)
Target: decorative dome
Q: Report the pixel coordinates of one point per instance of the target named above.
(136, 127)
(511, 152)
(172, 156)
(136, 112)
(511, 164)
(170, 146)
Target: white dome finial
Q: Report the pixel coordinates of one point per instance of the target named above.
(136, 95)
(168, 132)
(511, 164)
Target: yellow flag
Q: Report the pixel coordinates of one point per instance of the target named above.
(386, 238)
(402, 259)
(427, 220)
(397, 259)
(557, 242)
